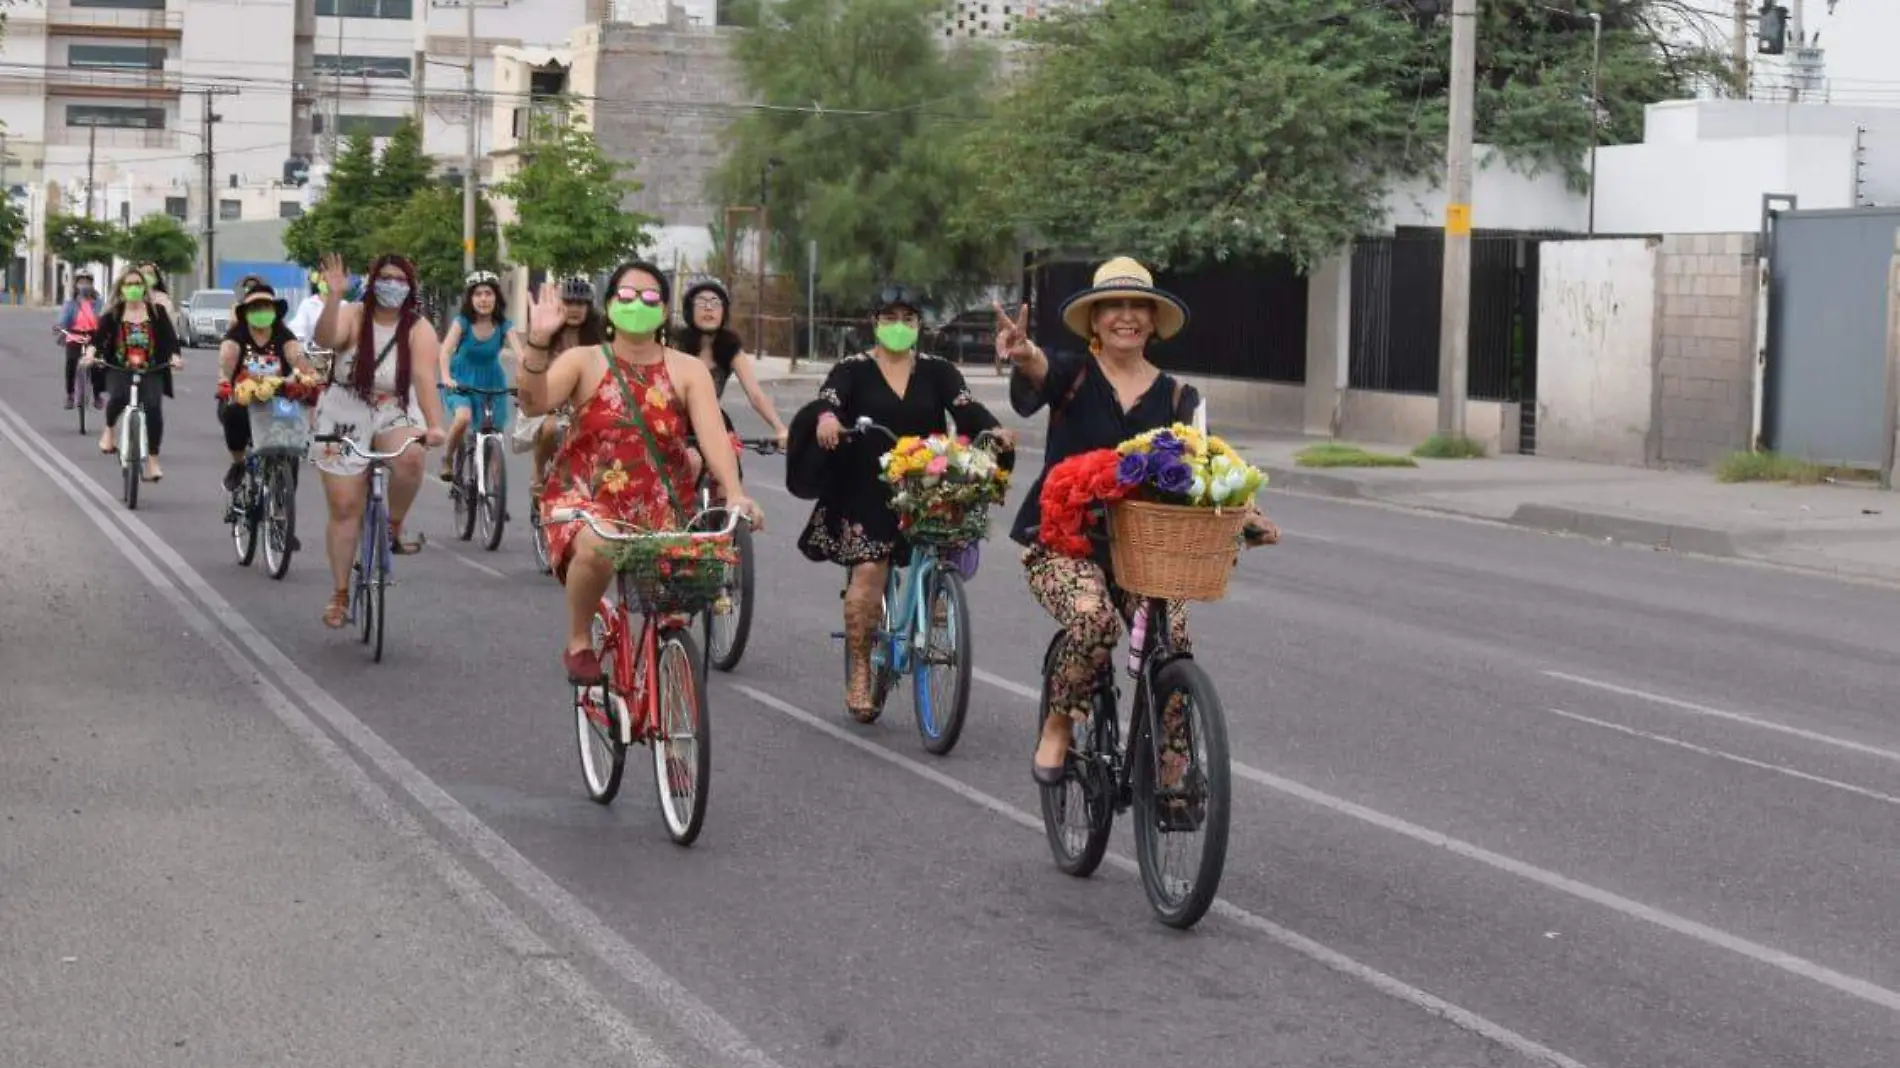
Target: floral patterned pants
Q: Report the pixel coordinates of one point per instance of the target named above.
(1077, 594)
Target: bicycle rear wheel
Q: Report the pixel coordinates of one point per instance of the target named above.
(132, 459)
(940, 668)
(244, 521)
(494, 502)
(682, 746)
(602, 725)
(1078, 816)
(379, 585)
(727, 634)
(1197, 805)
(462, 491)
(82, 395)
(280, 516)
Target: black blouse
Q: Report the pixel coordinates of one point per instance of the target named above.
(1093, 418)
(162, 342)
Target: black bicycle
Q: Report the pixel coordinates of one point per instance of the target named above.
(265, 501)
(478, 481)
(728, 623)
(1179, 790)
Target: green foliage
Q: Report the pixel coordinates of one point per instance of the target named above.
(429, 231)
(1336, 454)
(1441, 447)
(1188, 133)
(158, 238)
(78, 239)
(13, 224)
(890, 195)
(364, 194)
(568, 198)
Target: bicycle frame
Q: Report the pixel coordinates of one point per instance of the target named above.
(479, 433)
(904, 600)
(376, 518)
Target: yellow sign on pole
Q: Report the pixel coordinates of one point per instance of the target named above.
(468, 244)
(1458, 220)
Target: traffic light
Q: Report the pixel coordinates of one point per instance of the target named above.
(1771, 32)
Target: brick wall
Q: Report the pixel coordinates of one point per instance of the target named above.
(1707, 358)
(666, 96)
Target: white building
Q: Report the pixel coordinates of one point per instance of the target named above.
(443, 30)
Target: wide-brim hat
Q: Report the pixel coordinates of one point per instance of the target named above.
(1124, 277)
(806, 464)
(264, 294)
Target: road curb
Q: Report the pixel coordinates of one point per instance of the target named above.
(1313, 484)
(1703, 541)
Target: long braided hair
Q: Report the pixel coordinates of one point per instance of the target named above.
(363, 371)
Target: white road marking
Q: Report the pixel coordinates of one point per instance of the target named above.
(1669, 921)
(1733, 717)
(476, 564)
(1292, 940)
(696, 1020)
(1764, 765)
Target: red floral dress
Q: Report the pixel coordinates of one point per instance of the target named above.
(606, 467)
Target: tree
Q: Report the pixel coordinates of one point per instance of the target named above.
(13, 225)
(568, 198)
(1188, 133)
(364, 193)
(78, 239)
(872, 162)
(429, 231)
(159, 239)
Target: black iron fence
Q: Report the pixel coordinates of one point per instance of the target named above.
(1396, 312)
(1247, 318)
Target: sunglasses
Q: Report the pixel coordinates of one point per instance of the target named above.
(644, 296)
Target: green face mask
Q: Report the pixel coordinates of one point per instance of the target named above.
(635, 316)
(133, 291)
(897, 337)
(261, 318)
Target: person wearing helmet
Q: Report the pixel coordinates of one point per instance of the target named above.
(475, 342)
(582, 324)
(79, 318)
(708, 334)
(908, 393)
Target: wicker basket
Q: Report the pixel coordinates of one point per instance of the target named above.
(279, 426)
(1174, 551)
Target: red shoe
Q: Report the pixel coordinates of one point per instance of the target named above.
(583, 667)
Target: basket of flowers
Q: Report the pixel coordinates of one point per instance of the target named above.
(1176, 501)
(680, 574)
(942, 489)
(276, 407)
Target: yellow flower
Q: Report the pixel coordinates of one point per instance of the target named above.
(655, 397)
(614, 479)
(245, 393)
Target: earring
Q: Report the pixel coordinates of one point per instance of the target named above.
(1095, 345)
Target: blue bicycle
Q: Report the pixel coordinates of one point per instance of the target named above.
(924, 630)
(375, 562)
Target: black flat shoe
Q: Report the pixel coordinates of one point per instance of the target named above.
(1048, 776)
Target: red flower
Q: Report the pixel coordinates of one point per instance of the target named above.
(224, 391)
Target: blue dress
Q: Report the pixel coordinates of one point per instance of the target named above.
(477, 363)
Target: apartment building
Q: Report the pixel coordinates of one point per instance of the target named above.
(498, 24)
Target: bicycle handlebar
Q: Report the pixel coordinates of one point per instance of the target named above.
(476, 391)
(569, 515)
(351, 446)
(762, 446)
(864, 423)
(135, 370)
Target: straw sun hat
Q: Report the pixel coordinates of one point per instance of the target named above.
(1124, 277)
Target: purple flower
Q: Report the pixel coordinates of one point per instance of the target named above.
(1166, 444)
(1173, 477)
(1133, 469)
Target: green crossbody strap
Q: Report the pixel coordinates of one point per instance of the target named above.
(639, 420)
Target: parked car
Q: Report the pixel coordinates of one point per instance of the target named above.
(206, 315)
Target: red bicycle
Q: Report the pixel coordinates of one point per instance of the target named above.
(654, 691)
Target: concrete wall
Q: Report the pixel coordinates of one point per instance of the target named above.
(1501, 199)
(1717, 186)
(1597, 331)
(1409, 418)
(1709, 299)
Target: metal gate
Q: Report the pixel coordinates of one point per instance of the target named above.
(1825, 387)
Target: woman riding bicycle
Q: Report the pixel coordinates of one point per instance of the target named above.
(136, 333)
(258, 344)
(581, 325)
(708, 334)
(908, 393)
(475, 342)
(1095, 401)
(80, 317)
(381, 393)
(635, 400)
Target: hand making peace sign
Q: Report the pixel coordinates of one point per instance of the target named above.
(1012, 336)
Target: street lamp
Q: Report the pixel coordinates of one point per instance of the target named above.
(1596, 107)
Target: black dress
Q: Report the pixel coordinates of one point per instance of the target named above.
(852, 522)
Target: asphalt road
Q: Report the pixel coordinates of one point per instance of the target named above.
(1504, 799)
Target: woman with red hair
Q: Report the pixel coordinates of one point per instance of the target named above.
(381, 393)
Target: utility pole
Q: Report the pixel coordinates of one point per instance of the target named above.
(211, 119)
(1739, 43)
(92, 149)
(1596, 108)
(468, 177)
(1454, 337)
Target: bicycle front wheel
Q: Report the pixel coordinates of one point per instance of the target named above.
(280, 517)
(462, 490)
(132, 458)
(1183, 797)
(244, 521)
(682, 749)
(940, 679)
(494, 502)
(727, 633)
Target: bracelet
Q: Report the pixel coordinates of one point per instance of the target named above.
(543, 346)
(541, 370)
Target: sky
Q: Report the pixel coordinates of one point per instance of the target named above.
(1859, 39)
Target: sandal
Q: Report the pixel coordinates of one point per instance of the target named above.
(337, 612)
(583, 667)
(400, 547)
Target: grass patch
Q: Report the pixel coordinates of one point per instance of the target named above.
(1333, 454)
(1768, 467)
(1441, 447)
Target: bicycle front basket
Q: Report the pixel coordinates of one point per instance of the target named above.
(279, 425)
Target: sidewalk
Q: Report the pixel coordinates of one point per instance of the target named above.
(1852, 531)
